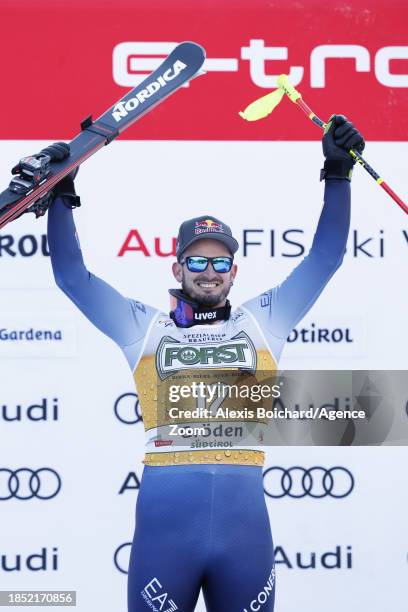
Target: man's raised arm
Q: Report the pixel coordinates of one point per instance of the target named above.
(279, 309)
(120, 318)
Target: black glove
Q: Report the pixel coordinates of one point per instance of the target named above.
(339, 137)
(59, 151)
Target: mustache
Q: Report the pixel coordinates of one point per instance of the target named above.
(205, 279)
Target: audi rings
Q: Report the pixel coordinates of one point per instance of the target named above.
(127, 408)
(25, 483)
(317, 482)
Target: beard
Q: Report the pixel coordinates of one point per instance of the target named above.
(206, 299)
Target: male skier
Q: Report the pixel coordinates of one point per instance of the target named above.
(201, 517)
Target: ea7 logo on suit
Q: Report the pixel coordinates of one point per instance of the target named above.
(156, 599)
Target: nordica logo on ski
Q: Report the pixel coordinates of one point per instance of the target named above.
(237, 352)
(124, 107)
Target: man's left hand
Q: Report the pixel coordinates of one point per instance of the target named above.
(340, 136)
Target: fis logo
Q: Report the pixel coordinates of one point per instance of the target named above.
(124, 107)
(237, 352)
(207, 225)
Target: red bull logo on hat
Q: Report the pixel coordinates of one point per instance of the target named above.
(207, 225)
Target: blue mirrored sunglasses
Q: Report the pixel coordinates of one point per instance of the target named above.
(195, 263)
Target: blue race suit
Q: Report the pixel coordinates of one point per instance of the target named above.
(201, 518)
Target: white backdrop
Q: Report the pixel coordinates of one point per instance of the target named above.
(153, 187)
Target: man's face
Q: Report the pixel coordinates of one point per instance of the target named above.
(208, 288)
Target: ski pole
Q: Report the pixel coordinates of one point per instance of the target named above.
(265, 105)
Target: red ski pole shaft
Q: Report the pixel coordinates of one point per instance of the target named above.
(359, 158)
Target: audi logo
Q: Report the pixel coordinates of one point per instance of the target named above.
(121, 557)
(317, 482)
(25, 483)
(127, 408)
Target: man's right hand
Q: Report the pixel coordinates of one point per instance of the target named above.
(58, 151)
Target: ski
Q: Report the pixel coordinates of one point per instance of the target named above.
(28, 191)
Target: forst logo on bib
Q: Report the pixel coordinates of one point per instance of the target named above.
(206, 355)
(237, 352)
(124, 107)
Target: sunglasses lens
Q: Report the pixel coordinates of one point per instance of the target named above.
(197, 264)
(222, 264)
